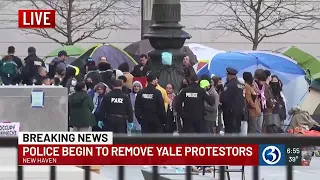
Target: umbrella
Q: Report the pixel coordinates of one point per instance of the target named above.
(144, 47)
(71, 51)
(285, 67)
(305, 60)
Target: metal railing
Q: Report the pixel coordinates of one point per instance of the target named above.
(303, 141)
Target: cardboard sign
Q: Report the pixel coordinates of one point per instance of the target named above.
(9, 128)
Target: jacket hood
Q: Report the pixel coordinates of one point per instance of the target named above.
(136, 83)
(76, 99)
(102, 85)
(294, 110)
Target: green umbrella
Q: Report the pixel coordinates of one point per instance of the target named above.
(308, 62)
(71, 51)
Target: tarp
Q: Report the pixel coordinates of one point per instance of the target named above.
(114, 55)
(295, 86)
(304, 59)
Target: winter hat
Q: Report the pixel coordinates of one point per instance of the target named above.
(204, 83)
(136, 83)
(117, 73)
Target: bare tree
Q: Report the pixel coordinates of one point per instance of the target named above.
(77, 20)
(257, 20)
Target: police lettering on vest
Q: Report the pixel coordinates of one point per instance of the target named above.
(117, 100)
(192, 95)
(37, 63)
(147, 96)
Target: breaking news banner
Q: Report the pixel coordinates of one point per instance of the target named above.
(97, 148)
(9, 128)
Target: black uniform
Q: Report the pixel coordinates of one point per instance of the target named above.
(232, 101)
(116, 109)
(192, 99)
(30, 70)
(149, 110)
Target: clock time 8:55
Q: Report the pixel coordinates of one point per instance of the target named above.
(293, 151)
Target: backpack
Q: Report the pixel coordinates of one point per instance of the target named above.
(53, 68)
(9, 68)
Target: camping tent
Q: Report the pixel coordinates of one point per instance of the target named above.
(72, 51)
(312, 101)
(305, 60)
(114, 55)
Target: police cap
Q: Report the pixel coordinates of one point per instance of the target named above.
(231, 71)
(151, 77)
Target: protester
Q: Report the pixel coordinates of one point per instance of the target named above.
(149, 107)
(8, 70)
(165, 97)
(97, 96)
(125, 89)
(71, 78)
(58, 64)
(217, 81)
(258, 85)
(184, 83)
(253, 103)
(170, 93)
(32, 64)
(106, 73)
(232, 101)
(46, 81)
(211, 111)
(80, 109)
(188, 67)
(40, 76)
(279, 111)
(136, 87)
(93, 74)
(190, 106)
(141, 69)
(103, 59)
(116, 110)
(245, 111)
(17, 60)
(124, 67)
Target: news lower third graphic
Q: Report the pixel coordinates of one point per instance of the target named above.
(272, 155)
(294, 155)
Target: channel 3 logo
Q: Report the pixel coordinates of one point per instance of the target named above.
(271, 155)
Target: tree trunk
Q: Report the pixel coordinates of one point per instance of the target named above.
(69, 23)
(254, 46)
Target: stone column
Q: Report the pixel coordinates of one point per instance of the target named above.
(146, 16)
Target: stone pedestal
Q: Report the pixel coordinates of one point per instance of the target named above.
(166, 35)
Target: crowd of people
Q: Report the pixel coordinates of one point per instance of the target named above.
(102, 98)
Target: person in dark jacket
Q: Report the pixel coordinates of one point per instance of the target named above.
(40, 76)
(125, 89)
(141, 69)
(93, 74)
(17, 60)
(80, 109)
(232, 101)
(190, 106)
(32, 64)
(8, 70)
(116, 110)
(149, 107)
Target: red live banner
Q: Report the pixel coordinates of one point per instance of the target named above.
(138, 154)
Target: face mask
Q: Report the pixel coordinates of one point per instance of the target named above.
(89, 85)
(73, 83)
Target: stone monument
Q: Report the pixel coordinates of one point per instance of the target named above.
(166, 35)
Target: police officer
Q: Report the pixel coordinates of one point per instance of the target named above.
(116, 109)
(232, 101)
(30, 70)
(190, 106)
(149, 107)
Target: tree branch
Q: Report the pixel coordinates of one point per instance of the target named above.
(256, 20)
(77, 20)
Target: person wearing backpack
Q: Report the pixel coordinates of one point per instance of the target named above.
(8, 70)
(58, 64)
